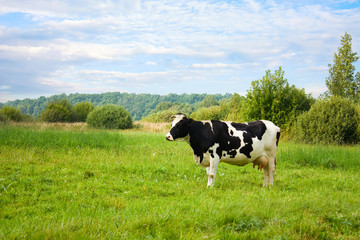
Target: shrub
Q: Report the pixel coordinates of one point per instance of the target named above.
(333, 120)
(80, 111)
(358, 122)
(11, 114)
(211, 113)
(3, 118)
(162, 116)
(57, 111)
(110, 117)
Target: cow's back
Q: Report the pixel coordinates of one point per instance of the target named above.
(242, 143)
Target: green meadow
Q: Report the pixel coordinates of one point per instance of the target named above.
(78, 183)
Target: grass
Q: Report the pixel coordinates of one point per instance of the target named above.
(87, 184)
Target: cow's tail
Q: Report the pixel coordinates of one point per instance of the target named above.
(277, 142)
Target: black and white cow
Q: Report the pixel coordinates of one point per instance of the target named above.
(234, 143)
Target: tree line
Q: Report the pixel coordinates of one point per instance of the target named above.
(139, 105)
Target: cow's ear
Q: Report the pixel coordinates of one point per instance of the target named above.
(182, 115)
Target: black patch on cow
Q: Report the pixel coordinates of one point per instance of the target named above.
(201, 138)
(231, 132)
(255, 129)
(226, 141)
(211, 153)
(251, 130)
(247, 148)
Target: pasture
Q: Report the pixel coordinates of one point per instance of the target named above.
(74, 183)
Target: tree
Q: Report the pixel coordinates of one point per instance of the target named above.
(233, 108)
(342, 80)
(162, 106)
(272, 98)
(208, 101)
(57, 111)
(80, 111)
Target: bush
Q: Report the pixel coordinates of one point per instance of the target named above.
(162, 116)
(3, 118)
(11, 114)
(211, 113)
(80, 111)
(57, 111)
(110, 117)
(333, 120)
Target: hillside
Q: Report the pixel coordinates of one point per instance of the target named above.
(139, 105)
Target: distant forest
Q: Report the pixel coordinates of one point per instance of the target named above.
(139, 105)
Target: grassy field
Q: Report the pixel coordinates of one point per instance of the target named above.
(73, 183)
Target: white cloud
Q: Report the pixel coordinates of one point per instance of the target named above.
(138, 42)
(315, 91)
(66, 8)
(223, 65)
(4, 87)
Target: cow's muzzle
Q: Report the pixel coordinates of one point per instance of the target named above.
(169, 137)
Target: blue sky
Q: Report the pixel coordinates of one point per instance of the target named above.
(50, 47)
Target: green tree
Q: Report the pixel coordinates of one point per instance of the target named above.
(162, 106)
(80, 111)
(272, 98)
(208, 101)
(233, 108)
(110, 117)
(342, 80)
(57, 111)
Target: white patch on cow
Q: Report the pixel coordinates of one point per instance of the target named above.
(178, 118)
(214, 148)
(236, 133)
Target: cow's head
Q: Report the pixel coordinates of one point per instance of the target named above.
(179, 128)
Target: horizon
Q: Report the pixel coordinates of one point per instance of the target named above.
(178, 94)
(140, 46)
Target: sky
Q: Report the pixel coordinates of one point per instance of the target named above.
(51, 47)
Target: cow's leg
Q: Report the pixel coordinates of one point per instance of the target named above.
(266, 176)
(211, 171)
(263, 164)
(207, 173)
(271, 170)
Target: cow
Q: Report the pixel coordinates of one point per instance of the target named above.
(215, 141)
